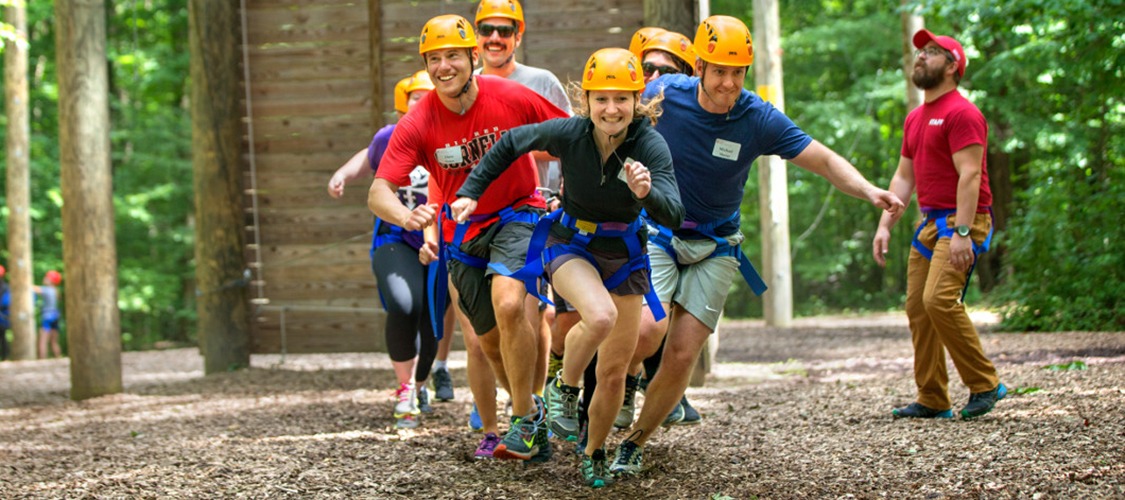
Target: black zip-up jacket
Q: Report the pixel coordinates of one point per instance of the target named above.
(593, 190)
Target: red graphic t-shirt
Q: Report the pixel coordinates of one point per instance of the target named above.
(933, 132)
(449, 145)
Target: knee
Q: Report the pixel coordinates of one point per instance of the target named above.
(508, 307)
(602, 320)
(935, 304)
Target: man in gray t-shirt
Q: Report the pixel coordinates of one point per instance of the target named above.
(499, 31)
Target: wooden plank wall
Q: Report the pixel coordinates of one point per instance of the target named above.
(310, 67)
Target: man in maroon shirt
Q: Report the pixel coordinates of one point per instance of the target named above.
(447, 133)
(943, 158)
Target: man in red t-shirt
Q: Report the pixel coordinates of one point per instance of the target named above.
(943, 158)
(447, 133)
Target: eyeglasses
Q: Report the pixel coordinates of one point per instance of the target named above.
(931, 52)
(486, 30)
(650, 68)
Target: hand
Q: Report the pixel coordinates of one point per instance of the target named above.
(888, 201)
(638, 179)
(336, 186)
(428, 253)
(421, 217)
(463, 208)
(961, 252)
(879, 245)
(553, 203)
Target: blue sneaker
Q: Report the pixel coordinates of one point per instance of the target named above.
(982, 402)
(916, 410)
(474, 420)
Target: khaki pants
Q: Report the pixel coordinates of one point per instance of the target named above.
(939, 323)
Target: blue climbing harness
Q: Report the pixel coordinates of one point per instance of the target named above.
(938, 217)
(438, 275)
(723, 248)
(413, 239)
(584, 231)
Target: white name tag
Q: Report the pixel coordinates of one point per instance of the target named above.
(726, 150)
(449, 156)
(622, 174)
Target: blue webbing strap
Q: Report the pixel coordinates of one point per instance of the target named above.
(723, 248)
(938, 217)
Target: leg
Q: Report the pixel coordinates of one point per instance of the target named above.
(518, 341)
(55, 343)
(686, 337)
(578, 279)
(930, 375)
(613, 361)
(44, 335)
(482, 381)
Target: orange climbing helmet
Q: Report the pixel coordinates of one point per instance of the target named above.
(501, 8)
(613, 69)
(447, 32)
(641, 37)
(402, 95)
(420, 81)
(53, 277)
(673, 43)
(724, 40)
(3, 271)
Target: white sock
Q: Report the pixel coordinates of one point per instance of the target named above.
(439, 364)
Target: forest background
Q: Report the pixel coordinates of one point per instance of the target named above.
(1046, 74)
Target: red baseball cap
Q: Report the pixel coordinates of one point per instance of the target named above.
(922, 37)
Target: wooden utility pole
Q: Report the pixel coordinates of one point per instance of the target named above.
(911, 24)
(672, 15)
(20, 313)
(216, 140)
(773, 189)
(89, 247)
(375, 18)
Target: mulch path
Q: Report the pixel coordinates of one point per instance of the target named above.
(796, 413)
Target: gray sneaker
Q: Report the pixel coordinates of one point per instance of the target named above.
(443, 385)
(526, 438)
(627, 460)
(629, 406)
(675, 417)
(562, 409)
(982, 402)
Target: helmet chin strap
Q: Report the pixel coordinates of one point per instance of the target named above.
(468, 83)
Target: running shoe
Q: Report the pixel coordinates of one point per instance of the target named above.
(407, 401)
(595, 473)
(627, 460)
(443, 385)
(675, 417)
(424, 400)
(982, 402)
(629, 406)
(408, 422)
(527, 437)
(916, 410)
(487, 446)
(691, 415)
(562, 409)
(475, 422)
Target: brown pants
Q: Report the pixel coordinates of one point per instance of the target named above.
(939, 323)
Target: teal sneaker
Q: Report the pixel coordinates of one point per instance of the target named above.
(593, 469)
(916, 410)
(562, 409)
(691, 415)
(982, 402)
(527, 437)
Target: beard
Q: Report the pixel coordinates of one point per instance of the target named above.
(925, 79)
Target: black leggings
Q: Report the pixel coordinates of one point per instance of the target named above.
(402, 285)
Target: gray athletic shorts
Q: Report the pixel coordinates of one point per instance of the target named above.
(505, 244)
(701, 287)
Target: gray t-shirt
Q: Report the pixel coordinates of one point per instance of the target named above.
(50, 296)
(546, 84)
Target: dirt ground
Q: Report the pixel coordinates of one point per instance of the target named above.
(797, 413)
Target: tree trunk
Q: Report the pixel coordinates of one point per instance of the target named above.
(672, 15)
(375, 19)
(20, 312)
(773, 197)
(220, 238)
(89, 247)
(911, 24)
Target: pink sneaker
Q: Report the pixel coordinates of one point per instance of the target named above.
(487, 446)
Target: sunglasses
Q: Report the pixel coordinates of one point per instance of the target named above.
(933, 52)
(650, 68)
(486, 30)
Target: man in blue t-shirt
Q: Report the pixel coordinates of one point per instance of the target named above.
(715, 131)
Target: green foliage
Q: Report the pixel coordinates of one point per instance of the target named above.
(1073, 365)
(147, 51)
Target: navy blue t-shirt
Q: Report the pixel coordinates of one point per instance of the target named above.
(712, 153)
